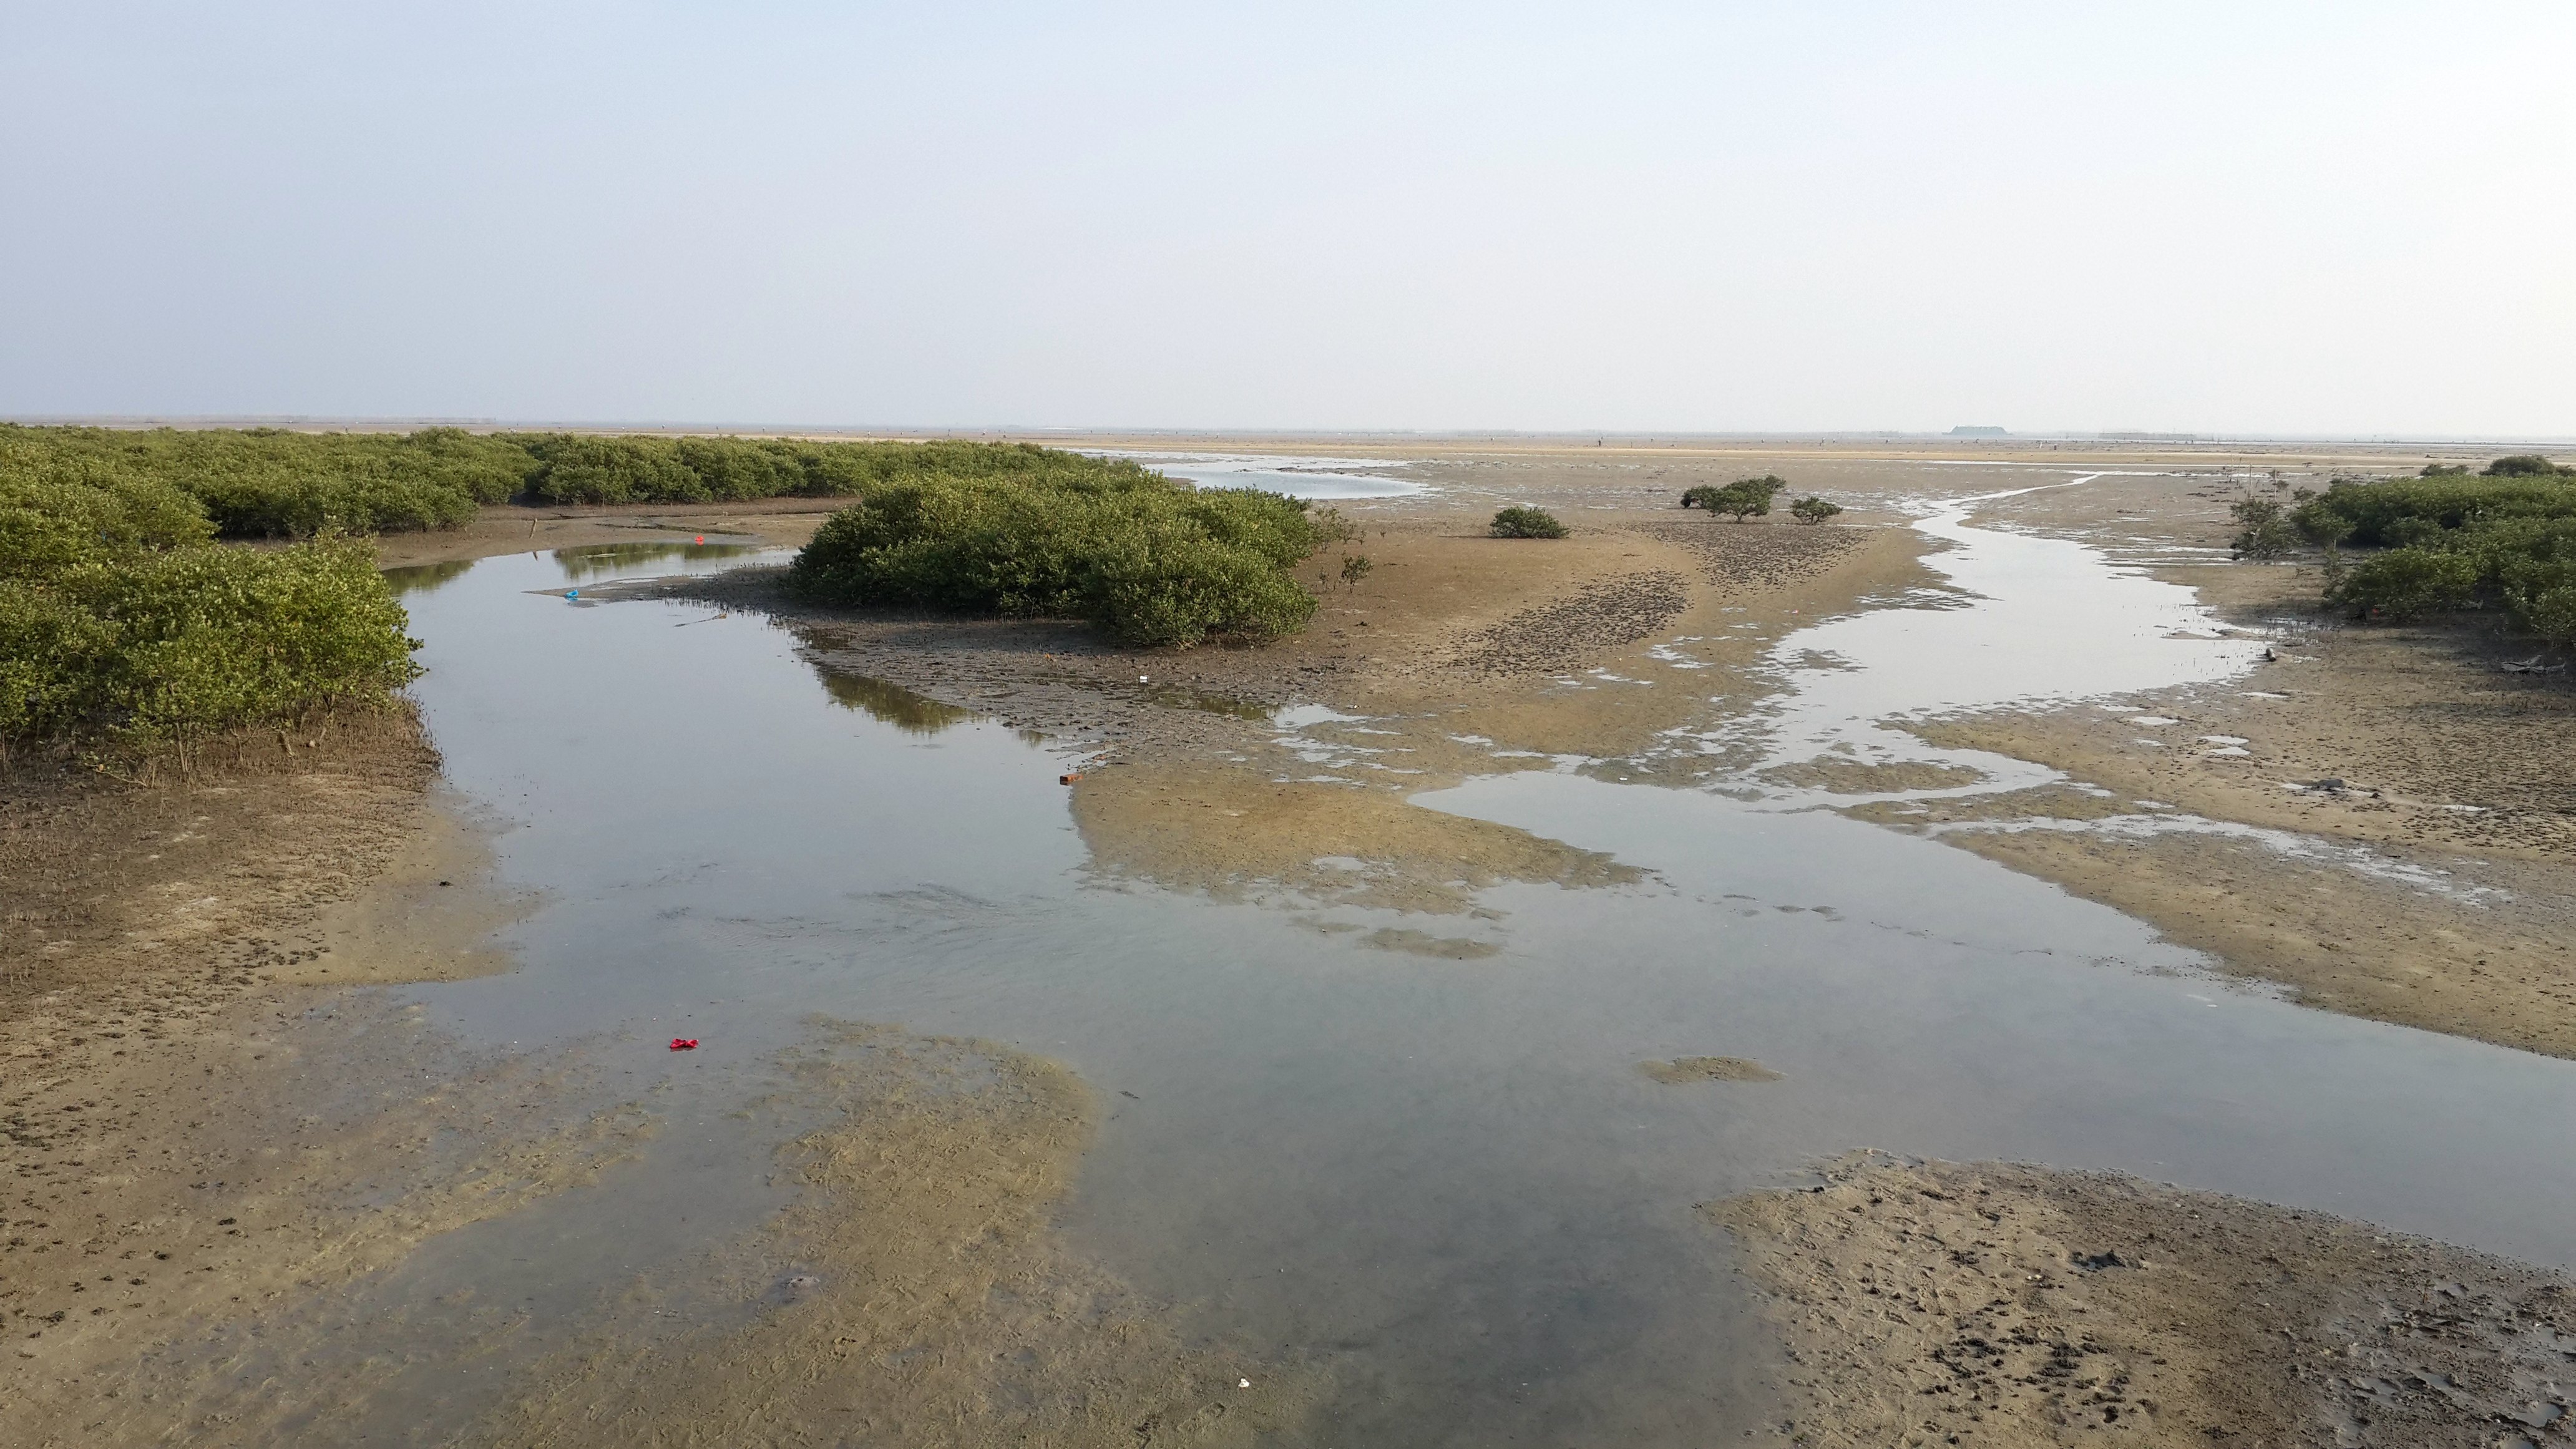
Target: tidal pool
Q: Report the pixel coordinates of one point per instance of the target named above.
(1446, 1182)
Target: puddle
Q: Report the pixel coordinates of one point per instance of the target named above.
(1419, 1152)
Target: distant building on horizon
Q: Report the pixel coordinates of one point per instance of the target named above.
(1976, 430)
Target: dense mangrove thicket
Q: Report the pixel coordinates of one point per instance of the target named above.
(264, 483)
(124, 625)
(270, 483)
(1148, 560)
(2449, 540)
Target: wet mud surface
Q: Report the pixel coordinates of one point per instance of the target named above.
(1994, 1304)
(1335, 1042)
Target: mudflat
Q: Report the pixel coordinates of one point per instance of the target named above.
(226, 1137)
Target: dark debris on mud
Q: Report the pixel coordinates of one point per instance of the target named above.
(1758, 555)
(1556, 636)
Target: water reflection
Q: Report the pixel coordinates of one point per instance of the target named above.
(1448, 1179)
(914, 714)
(426, 578)
(606, 558)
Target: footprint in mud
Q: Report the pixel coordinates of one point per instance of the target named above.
(1419, 943)
(1708, 1069)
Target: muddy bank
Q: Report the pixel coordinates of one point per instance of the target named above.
(2378, 818)
(199, 873)
(220, 1160)
(2005, 1305)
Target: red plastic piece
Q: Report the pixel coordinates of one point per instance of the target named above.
(684, 1043)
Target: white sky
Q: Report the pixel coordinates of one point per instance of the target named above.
(2340, 218)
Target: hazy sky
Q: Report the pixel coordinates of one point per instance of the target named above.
(2334, 218)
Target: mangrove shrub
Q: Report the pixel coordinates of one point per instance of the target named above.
(2503, 540)
(1148, 560)
(272, 483)
(1744, 498)
(122, 623)
(1520, 522)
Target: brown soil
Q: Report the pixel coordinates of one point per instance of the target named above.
(1996, 1304)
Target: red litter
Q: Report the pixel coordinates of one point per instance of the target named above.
(684, 1043)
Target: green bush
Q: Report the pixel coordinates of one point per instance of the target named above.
(2526, 465)
(2505, 539)
(584, 468)
(2365, 512)
(1744, 498)
(123, 624)
(2408, 583)
(264, 482)
(270, 483)
(1520, 522)
(2262, 529)
(1148, 560)
(1812, 509)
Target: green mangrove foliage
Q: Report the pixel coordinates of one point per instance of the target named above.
(267, 483)
(2504, 539)
(1520, 522)
(271, 483)
(580, 468)
(1744, 498)
(124, 624)
(1812, 509)
(2263, 530)
(1029, 533)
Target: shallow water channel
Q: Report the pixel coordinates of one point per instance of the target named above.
(1444, 1181)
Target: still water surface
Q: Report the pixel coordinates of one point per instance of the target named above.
(1445, 1180)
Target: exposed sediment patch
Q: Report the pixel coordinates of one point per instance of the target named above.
(2011, 1306)
(1560, 634)
(1237, 833)
(913, 1292)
